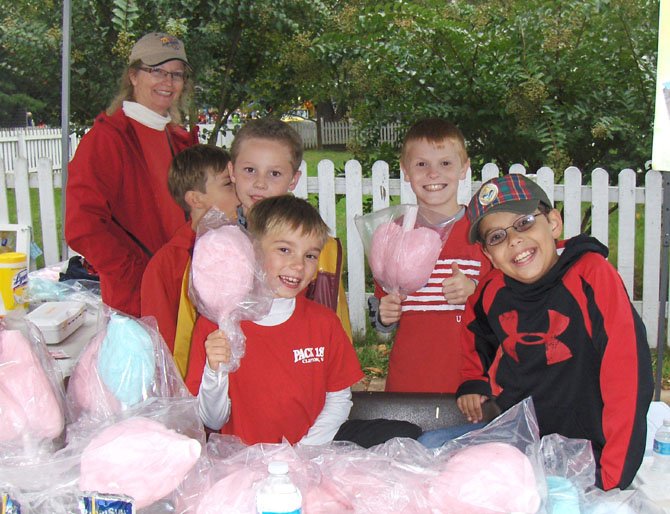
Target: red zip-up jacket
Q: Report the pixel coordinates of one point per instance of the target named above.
(115, 206)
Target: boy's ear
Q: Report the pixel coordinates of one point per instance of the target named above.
(464, 171)
(556, 223)
(294, 180)
(404, 173)
(194, 200)
(229, 167)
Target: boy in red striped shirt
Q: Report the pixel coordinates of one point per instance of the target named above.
(426, 354)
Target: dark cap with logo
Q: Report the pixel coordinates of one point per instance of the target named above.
(156, 48)
(510, 193)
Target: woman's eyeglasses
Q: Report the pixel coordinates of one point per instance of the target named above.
(497, 236)
(161, 74)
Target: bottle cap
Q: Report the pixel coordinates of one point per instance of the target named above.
(279, 467)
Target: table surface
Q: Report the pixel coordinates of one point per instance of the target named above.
(71, 346)
(654, 484)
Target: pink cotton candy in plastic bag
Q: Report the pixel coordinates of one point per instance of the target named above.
(223, 270)
(234, 493)
(137, 457)
(86, 392)
(401, 251)
(486, 479)
(29, 406)
(225, 285)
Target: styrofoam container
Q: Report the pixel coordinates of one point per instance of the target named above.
(57, 320)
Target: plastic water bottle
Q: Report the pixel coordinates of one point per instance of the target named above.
(662, 448)
(277, 494)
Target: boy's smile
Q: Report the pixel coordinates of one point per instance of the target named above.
(263, 169)
(524, 256)
(434, 170)
(290, 260)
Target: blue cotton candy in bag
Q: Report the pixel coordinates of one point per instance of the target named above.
(126, 361)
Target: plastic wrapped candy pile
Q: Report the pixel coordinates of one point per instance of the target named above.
(502, 468)
(152, 453)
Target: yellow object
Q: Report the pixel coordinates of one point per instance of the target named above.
(13, 279)
(185, 322)
(330, 263)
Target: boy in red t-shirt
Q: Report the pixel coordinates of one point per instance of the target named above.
(199, 179)
(426, 353)
(294, 379)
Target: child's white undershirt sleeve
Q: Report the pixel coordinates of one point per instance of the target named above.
(335, 412)
(213, 400)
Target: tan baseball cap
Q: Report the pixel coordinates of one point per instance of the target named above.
(156, 48)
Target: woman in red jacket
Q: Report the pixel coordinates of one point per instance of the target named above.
(118, 208)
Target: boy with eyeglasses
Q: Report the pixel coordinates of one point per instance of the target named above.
(557, 327)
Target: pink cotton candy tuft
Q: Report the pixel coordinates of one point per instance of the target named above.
(234, 493)
(28, 403)
(402, 260)
(222, 270)
(486, 479)
(137, 457)
(86, 392)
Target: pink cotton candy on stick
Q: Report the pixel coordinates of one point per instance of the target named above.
(28, 402)
(222, 270)
(137, 457)
(486, 479)
(402, 259)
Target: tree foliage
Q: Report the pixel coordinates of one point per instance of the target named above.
(533, 81)
(538, 82)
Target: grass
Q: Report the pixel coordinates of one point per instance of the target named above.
(37, 220)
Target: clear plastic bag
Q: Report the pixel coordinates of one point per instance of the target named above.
(403, 243)
(495, 469)
(31, 398)
(144, 453)
(125, 363)
(227, 281)
(44, 286)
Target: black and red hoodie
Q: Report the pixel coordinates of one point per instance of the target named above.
(574, 343)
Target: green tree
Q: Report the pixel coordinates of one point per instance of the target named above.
(538, 82)
(29, 75)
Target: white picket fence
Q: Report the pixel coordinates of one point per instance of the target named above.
(342, 132)
(34, 143)
(576, 193)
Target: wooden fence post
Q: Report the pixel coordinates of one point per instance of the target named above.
(47, 212)
(22, 192)
(356, 265)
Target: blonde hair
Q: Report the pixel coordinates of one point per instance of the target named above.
(127, 93)
(271, 129)
(434, 130)
(189, 169)
(286, 212)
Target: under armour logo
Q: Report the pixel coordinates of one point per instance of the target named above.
(555, 350)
